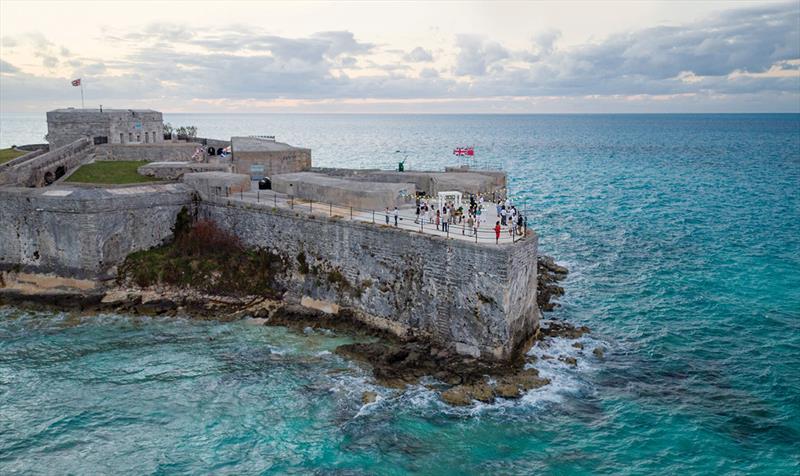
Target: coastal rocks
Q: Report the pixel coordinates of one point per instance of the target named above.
(562, 329)
(599, 352)
(549, 273)
(569, 360)
(368, 397)
(509, 387)
(457, 396)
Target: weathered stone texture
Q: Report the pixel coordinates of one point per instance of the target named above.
(475, 299)
(325, 188)
(175, 170)
(38, 170)
(275, 157)
(164, 152)
(114, 125)
(84, 232)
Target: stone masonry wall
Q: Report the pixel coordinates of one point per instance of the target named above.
(44, 169)
(476, 299)
(84, 233)
(163, 152)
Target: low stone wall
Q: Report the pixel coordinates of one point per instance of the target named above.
(84, 233)
(44, 169)
(22, 158)
(499, 178)
(477, 299)
(217, 184)
(176, 170)
(162, 152)
(363, 195)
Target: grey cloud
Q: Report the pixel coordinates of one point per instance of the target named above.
(649, 61)
(418, 55)
(8, 68)
(477, 55)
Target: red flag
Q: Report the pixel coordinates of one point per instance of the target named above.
(471, 151)
(76, 82)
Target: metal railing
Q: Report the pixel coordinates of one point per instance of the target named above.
(456, 228)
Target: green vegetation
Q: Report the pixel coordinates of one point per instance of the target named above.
(206, 258)
(9, 154)
(112, 172)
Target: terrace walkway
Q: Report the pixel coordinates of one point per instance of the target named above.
(406, 216)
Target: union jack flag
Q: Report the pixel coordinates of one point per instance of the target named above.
(461, 151)
(76, 82)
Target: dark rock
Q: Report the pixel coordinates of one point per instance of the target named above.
(578, 345)
(548, 274)
(599, 352)
(569, 360)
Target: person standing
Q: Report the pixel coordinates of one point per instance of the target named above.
(387, 215)
(396, 214)
(437, 219)
(497, 233)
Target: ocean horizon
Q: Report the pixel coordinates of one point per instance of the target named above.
(682, 236)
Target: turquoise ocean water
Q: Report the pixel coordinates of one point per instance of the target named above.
(682, 234)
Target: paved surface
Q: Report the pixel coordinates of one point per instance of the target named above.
(407, 219)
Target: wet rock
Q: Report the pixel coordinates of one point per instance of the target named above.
(569, 360)
(457, 396)
(578, 345)
(549, 273)
(368, 397)
(563, 329)
(599, 352)
(482, 392)
(507, 390)
(528, 379)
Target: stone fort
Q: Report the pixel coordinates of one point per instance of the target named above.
(468, 293)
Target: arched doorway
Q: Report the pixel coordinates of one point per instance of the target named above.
(49, 178)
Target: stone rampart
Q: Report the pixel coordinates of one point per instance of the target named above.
(84, 233)
(162, 152)
(361, 195)
(477, 299)
(44, 169)
(175, 170)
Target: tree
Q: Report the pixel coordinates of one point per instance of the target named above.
(168, 130)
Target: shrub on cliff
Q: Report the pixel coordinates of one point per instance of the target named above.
(207, 258)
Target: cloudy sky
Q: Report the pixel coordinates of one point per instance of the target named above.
(519, 57)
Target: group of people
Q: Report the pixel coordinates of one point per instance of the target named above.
(510, 217)
(470, 219)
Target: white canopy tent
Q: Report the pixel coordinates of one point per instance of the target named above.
(449, 197)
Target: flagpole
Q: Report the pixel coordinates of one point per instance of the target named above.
(82, 105)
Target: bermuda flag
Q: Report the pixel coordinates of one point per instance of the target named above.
(470, 151)
(76, 82)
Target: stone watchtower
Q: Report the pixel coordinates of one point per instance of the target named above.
(103, 126)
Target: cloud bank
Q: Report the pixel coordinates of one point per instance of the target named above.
(744, 58)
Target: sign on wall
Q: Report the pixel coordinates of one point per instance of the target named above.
(256, 172)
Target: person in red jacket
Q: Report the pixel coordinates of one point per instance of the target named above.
(497, 232)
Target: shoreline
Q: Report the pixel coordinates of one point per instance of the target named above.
(395, 361)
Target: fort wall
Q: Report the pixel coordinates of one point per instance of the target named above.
(163, 152)
(84, 233)
(479, 300)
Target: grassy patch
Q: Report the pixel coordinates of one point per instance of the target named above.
(9, 154)
(114, 172)
(208, 259)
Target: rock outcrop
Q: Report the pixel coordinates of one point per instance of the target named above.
(549, 274)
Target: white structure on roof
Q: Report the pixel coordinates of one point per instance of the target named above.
(449, 197)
